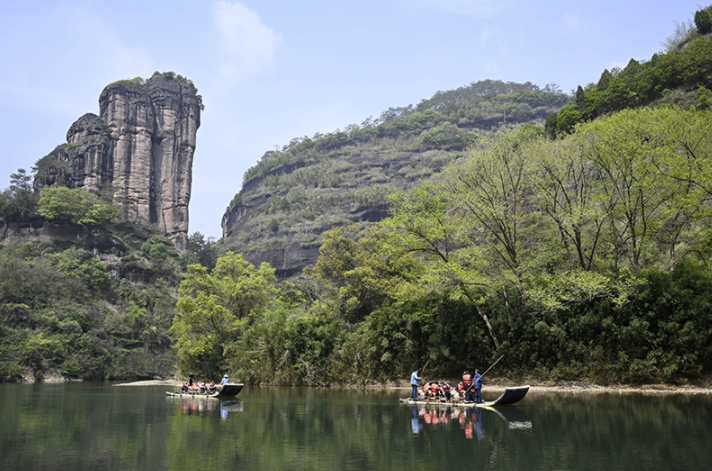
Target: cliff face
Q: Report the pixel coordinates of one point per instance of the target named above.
(291, 196)
(140, 149)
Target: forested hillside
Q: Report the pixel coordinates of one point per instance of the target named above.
(83, 294)
(580, 251)
(314, 184)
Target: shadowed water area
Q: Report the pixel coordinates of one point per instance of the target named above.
(89, 426)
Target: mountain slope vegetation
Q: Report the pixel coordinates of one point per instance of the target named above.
(577, 251)
(313, 184)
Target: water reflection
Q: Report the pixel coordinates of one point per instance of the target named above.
(191, 405)
(470, 420)
(85, 427)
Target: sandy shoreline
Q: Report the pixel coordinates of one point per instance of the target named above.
(572, 388)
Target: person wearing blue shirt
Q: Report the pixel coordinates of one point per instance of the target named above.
(225, 380)
(414, 383)
(477, 385)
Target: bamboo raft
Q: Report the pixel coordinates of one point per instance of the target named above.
(509, 396)
(227, 390)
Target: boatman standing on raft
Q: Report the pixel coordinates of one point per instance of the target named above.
(414, 384)
(477, 380)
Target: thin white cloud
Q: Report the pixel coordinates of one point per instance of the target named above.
(111, 53)
(247, 45)
(479, 8)
(573, 25)
(91, 52)
(492, 68)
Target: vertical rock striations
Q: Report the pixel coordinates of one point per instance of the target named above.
(140, 150)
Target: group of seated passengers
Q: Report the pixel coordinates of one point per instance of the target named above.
(199, 388)
(436, 389)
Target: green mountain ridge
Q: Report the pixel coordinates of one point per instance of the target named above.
(314, 184)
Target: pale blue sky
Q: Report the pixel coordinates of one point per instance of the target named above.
(273, 70)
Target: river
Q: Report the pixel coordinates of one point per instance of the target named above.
(94, 426)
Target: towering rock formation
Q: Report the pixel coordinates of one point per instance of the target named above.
(140, 149)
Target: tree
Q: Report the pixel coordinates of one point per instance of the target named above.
(19, 200)
(200, 250)
(604, 81)
(703, 22)
(550, 126)
(648, 161)
(215, 308)
(567, 118)
(77, 205)
(566, 190)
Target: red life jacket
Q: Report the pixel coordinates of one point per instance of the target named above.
(467, 379)
(434, 388)
(460, 387)
(426, 389)
(446, 387)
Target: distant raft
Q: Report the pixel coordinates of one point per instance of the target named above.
(226, 390)
(509, 396)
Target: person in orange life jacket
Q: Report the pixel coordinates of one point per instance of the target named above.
(477, 380)
(434, 388)
(212, 388)
(467, 383)
(414, 379)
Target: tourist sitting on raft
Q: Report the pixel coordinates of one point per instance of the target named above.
(201, 387)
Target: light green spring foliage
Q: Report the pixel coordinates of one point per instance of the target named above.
(560, 221)
(76, 205)
(215, 308)
(579, 257)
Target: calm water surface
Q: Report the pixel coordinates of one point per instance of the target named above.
(85, 426)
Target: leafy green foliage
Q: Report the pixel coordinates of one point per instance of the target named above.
(580, 257)
(215, 308)
(78, 206)
(643, 83)
(703, 23)
(18, 202)
(63, 312)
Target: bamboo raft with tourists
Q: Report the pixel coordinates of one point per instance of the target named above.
(191, 388)
(441, 393)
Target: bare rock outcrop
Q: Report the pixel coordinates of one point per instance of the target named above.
(139, 150)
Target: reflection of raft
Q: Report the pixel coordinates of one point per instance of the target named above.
(227, 390)
(508, 397)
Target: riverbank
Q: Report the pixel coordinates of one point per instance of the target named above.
(574, 387)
